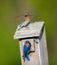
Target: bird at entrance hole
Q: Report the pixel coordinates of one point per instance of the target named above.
(26, 49)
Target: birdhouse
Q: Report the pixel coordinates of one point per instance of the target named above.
(32, 41)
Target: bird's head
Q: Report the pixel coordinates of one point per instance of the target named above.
(27, 16)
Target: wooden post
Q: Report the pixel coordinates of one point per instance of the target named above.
(35, 34)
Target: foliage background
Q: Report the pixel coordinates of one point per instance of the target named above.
(41, 10)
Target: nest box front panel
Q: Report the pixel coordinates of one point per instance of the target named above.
(29, 51)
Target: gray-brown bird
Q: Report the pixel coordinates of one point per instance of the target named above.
(25, 22)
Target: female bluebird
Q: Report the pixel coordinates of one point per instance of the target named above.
(26, 21)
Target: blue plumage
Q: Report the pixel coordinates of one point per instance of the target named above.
(26, 49)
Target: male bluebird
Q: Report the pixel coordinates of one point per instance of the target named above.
(26, 21)
(26, 50)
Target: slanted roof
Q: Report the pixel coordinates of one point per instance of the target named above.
(34, 30)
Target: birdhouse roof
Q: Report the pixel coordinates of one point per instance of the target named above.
(33, 30)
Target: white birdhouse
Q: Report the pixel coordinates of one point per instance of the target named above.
(32, 41)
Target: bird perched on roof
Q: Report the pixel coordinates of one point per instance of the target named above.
(25, 22)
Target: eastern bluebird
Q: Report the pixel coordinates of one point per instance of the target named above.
(26, 21)
(26, 50)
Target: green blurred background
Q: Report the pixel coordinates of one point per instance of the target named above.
(41, 10)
